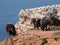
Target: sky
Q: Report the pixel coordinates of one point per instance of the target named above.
(9, 10)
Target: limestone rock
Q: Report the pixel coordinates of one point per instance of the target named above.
(26, 15)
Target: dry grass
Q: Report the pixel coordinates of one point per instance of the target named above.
(55, 28)
(57, 33)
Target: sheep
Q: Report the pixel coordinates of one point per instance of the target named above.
(46, 21)
(36, 23)
(56, 21)
(33, 21)
(10, 29)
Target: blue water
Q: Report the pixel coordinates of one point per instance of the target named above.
(9, 10)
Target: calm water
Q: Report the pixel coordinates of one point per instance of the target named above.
(9, 10)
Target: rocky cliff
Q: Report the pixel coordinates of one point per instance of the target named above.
(27, 35)
(26, 15)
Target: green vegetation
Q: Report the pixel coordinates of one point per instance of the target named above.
(55, 28)
(57, 32)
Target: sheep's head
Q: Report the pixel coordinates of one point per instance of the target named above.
(10, 29)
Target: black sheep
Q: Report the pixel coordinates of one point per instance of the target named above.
(56, 21)
(33, 22)
(11, 29)
(36, 22)
(45, 21)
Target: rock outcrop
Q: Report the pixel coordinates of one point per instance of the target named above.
(26, 15)
(27, 35)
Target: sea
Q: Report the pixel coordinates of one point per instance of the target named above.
(9, 10)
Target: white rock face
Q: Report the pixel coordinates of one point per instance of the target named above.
(26, 15)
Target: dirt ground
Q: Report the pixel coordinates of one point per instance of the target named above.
(34, 37)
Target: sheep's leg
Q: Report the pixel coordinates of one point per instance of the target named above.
(49, 27)
(46, 27)
(42, 27)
